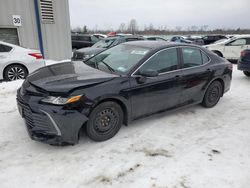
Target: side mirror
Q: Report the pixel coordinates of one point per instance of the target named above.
(149, 73)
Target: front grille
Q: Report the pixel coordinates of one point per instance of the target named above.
(36, 123)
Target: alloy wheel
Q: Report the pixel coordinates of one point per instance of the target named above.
(16, 73)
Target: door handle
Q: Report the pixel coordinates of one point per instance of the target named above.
(178, 76)
(208, 70)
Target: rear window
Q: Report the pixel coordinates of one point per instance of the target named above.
(4, 48)
(191, 57)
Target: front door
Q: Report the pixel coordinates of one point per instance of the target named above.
(149, 95)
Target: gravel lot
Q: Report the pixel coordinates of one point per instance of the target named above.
(190, 148)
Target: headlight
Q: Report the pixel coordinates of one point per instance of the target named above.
(61, 100)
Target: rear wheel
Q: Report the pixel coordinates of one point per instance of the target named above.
(212, 95)
(104, 121)
(246, 73)
(15, 72)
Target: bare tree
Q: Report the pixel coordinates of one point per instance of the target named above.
(122, 27)
(178, 28)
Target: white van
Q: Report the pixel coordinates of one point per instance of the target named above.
(231, 48)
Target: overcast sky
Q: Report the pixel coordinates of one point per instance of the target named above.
(109, 14)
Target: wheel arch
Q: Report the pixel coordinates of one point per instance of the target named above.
(16, 63)
(218, 52)
(120, 102)
(216, 79)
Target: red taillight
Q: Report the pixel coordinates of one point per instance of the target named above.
(230, 66)
(243, 53)
(36, 55)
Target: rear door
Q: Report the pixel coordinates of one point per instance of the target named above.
(195, 74)
(157, 93)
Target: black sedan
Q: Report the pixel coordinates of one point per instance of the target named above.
(123, 83)
(244, 62)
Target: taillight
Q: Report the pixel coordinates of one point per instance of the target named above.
(36, 55)
(243, 53)
(230, 66)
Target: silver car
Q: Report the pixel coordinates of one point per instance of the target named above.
(17, 62)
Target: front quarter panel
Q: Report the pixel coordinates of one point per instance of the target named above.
(114, 89)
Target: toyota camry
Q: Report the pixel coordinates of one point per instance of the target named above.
(121, 84)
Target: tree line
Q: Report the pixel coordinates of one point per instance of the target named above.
(133, 28)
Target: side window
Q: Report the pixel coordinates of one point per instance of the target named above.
(94, 39)
(205, 58)
(248, 41)
(238, 42)
(4, 48)
(191, 57)
(163, 61)
(132, 39)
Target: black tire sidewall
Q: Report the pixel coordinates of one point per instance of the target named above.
(12, 66)
(206, 102)
(92, 133)
(246, 73)
(218, 53)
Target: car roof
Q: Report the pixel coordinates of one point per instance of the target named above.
(8, 44)
(242, 36)
(156, 44)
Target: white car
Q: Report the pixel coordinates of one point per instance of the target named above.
(231, 48)
(17, 62)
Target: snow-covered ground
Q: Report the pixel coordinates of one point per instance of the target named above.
(190, 148)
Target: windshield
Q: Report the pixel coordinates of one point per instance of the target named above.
(119, 59)
(104, 43)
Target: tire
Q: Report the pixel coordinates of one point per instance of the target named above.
(246, 73)
(104, 121)
(15, 72)
(212, 95)
(218, 53)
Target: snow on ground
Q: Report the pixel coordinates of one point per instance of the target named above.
(194, 148)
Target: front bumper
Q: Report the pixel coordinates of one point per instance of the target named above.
(48, 123)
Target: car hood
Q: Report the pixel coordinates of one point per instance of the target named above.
(65, 77)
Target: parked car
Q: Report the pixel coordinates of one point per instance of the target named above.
(155, 38)
(83, 41)
(209, 39)
(100, 36)
(231, 48)
(244, 62)
(180, 39)
(86, 53)
(195, 40)
(126, 82)
(17, 62)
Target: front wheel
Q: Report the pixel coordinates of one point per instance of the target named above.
(212, 95)
(246, 73)
(104, 121)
